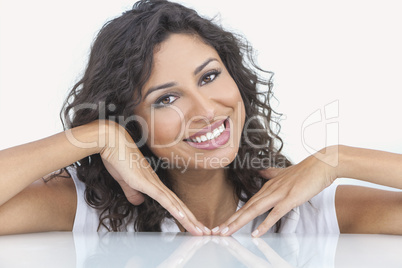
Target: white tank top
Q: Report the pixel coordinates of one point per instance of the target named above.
(316, 216)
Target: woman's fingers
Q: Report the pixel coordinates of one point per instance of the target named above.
(273, 195)
(235, 216)
(167, 199)
(265, 191)
(177, 209)
(275, 215)
(279, 209)
(198, 225)
(181, 206)
(245, 216)
(191, 216)
(177, 212)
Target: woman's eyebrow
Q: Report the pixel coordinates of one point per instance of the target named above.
(172, 84)
(202, 66)
(152, 89)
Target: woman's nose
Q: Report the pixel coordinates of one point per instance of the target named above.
(203, 108)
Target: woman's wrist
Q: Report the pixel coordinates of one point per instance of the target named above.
(87, 137)
(343, 160)
(353, 162)
(331, 157)
(94, 137)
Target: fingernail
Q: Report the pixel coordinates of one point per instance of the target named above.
(207, 230)
(216, 229)
(255, 233)
(198, 229)
(224, 231)
(181, 214)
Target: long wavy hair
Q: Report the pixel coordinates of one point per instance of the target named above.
(119, 65)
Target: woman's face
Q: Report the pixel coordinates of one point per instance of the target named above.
(192, 107)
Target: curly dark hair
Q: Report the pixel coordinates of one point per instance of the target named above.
(119, 65)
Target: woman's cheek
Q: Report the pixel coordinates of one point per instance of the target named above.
(227, 92)
(165, 126)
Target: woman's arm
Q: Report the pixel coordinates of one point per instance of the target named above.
(290, 187)
(27, 203)
(22, 165)
(369, 210)
(369, 165)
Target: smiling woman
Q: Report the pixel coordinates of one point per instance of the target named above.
(170, 128)
(188, 78)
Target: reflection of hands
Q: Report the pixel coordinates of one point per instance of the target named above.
(136, 178)
(241, 253)
(184, 252)
(286, 189)
(248, 258)
(190, 246)
(270, 254)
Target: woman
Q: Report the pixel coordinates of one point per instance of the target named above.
(177, 85)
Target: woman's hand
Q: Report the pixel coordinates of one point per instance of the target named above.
(129, 168)
(286, 189)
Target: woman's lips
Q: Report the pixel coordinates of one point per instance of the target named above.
(211, 137)
(208, 129)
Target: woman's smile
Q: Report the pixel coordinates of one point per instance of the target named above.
(212, 136)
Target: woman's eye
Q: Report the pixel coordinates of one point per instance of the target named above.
(165, 100)
(209, 77)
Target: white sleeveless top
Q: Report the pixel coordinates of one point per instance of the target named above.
(316, 216)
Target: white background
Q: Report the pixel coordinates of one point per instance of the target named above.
(343, 52)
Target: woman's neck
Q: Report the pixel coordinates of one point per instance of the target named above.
(207, 193)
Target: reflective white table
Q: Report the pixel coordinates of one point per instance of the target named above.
(65, 249)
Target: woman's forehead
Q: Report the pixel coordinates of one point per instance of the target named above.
(180, 51)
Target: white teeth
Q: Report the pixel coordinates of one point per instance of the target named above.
(210, 135)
